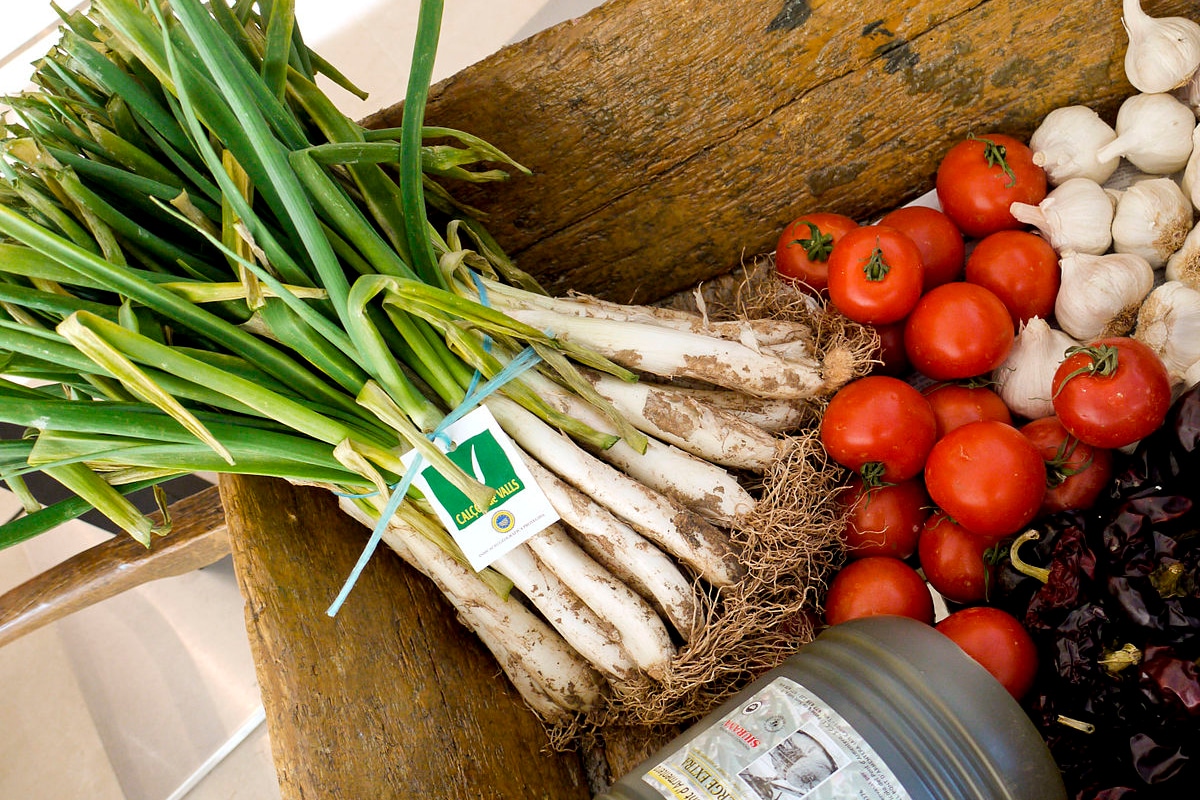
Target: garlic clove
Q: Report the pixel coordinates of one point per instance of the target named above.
(1100, 294)
(1152, 220)
(1169, 324)
(1154, 131)
(1025, 380)
(1076, 215)
(1065, 145)
(1184, 263)
(1163, 52)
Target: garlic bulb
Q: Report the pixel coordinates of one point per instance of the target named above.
(1163, 52)
(1026, 377)
(1192, 376)
(1077, 215)
(1151, 220)
(1154, 131)
(1065, 145)
(1190, 181)
(1100, 295)
(1189, 93)
(1184, 263)
(1169, 324)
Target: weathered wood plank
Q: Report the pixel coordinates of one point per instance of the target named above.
(390, 699)
(670, 140)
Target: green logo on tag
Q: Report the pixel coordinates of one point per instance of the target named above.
(480, 456)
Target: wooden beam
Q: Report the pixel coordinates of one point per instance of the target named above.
(392, 698)
(670, 141)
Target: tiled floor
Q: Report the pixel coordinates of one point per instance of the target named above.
(140, 697)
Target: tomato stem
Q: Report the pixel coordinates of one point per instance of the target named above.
(997, 156)
(872, 474)
(875, 267)
(818, 245)
(1102, 362)
(1021, 565)
(1058, 468)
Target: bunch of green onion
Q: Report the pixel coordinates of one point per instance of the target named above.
(205, 267)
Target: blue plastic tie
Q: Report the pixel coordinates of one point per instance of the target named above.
(523, 361)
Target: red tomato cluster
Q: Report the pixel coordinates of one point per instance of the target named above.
(944, 474)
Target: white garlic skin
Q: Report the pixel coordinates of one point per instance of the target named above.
(1169, 324)
(1154, 131)
(1025, 380)
(1065, 145)
(1163, 52)
(1076, 215)
(1184, 263)
(1152, 220)
(1100, 295)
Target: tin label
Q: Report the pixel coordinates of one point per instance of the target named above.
(783, 743)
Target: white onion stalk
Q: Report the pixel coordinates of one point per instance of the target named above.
(528, 650)
(689, 423)
(641, 632)
(622, 550)
(704, 486)
(771, 416)
(672, 353)
(668, 523)
(591, 636)
(763, 331)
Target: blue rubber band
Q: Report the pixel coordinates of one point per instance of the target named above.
(523, 361)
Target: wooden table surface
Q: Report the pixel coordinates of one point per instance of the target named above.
(668, 141)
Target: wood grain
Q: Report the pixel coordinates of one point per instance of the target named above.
(671, 140)
(198, 538)
(390, 699)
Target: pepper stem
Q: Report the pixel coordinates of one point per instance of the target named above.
(1021, 565)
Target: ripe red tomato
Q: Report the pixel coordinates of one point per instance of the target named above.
(884, 520)
(981, 176)
(1076, 472)
(1019, 267)
(802, 253)
(998, 642)
(958, 330)
(954, 560)
(878, 585)
(880, 427)
(988, 477)
(875, 275)
(1112, 392)
(943, 251)
(956, 404)
(892, 358)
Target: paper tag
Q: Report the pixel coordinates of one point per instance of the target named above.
(518, 511)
